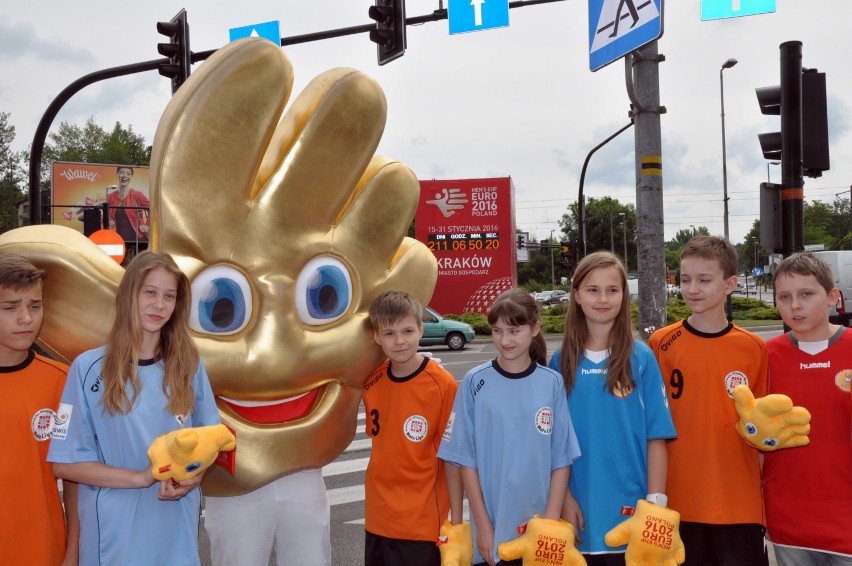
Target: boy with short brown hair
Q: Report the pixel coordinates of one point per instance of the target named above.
(32, 524)
(714, 475)
(808, 490)
(408, 400)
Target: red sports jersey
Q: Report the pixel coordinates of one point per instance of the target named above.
(714, 475)
(808, 489)
(405, 487)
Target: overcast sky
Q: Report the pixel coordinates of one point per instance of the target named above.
(518, 101)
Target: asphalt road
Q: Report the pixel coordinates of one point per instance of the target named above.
(344, 478)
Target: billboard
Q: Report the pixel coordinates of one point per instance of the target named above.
(469, 224)
(76, 186)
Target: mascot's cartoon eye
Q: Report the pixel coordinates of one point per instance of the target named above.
(221, 301)
(323, 291)
(751, 429)
(770, 442)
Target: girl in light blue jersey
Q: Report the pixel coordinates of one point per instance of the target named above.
(510, 430)
(618, 406)
(147, 380)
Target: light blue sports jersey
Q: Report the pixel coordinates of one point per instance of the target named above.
(128, 526)
(614, 431)
(514, 429)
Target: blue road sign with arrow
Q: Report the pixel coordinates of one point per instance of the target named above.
(266, 30)
(718, 9)
(476, 15)
(617, 27)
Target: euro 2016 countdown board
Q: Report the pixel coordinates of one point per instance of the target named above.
(469, 224)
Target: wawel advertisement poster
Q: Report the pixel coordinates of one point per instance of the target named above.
(80, 185)
(469, 224)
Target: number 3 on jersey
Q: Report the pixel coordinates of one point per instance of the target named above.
(374, 421)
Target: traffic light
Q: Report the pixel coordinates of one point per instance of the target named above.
(567, 254)
(177, 50)
(389, 34)
(814, 127)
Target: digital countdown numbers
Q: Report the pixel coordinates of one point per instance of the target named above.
(464, 241)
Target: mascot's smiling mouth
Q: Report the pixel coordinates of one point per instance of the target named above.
(277, 411)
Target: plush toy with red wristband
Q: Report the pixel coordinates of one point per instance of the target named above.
(456, 544)
(544, 542)
(186, 452)
(771, 422)
(652, 536)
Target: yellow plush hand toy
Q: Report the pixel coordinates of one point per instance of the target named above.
(186, 452)
(771, 422)
(456, 544)
(652, 536)
(545, 542)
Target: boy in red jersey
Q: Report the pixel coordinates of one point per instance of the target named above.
(32, 523)
(714, 475)
(408, 400)
(808, 490)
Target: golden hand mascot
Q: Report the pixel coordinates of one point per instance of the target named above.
(288, 227)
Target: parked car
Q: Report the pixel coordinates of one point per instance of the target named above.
(543, 297)
(565, 298)
(557, 295)
(440, 330)
(553, 297)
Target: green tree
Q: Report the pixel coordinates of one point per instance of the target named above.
(11, 176)
(91, 143)
(606, 221)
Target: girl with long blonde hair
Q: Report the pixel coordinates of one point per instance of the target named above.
(147, 380)
(618, 406)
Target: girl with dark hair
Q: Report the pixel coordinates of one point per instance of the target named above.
(510, 430)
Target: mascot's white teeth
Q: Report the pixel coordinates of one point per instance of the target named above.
(239, 403)
(277, 411)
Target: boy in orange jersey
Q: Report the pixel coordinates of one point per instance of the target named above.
(408, 400)
(32, 523)
(714, 475)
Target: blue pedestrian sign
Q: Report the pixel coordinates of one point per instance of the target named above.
(757, 271)
(476, 15)
(617, 27)
(718, 9)
(266, 30)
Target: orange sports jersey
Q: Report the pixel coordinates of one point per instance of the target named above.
(405, 487)
(32, 524)
(714, 475)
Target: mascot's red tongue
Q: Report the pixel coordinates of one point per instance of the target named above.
(276, 413)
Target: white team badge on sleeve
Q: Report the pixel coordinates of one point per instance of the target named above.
(61, 421)
(448, 430)
(415, 428)
(544, 420)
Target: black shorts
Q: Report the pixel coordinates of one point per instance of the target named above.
(606, 559)
(724, 545)
(384, 551)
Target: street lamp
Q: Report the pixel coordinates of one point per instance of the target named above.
(768, 180)
(726, 65)
(624, 226)
(693, 229)
(552, 274)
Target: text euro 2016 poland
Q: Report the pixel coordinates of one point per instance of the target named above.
(550, 550)
(658, 532)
